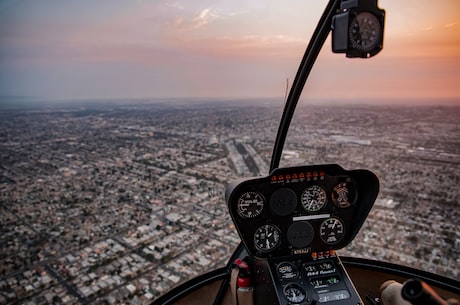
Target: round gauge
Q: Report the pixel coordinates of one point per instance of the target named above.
(250, 204)
(287, 271)
(326, 266)
(313, 198)
(283, 202)
(294, 293)
(332, 231)
(267, 238)
(300, 234)
(365, 32)
(344, 194)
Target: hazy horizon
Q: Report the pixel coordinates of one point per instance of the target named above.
(12, 103)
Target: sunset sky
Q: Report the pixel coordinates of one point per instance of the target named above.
(63, 50)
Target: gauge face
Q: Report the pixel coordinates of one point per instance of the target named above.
(326, 266)
(294, 293)
(365, 32)
(331, 231)
(266, 238)
(300, 234)
(287, 271)
(313, 198)
(344, 194)
(283, 202)
(250, 204)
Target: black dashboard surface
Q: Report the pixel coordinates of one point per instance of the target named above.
(311, 210)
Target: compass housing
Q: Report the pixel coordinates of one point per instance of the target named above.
(357, 29)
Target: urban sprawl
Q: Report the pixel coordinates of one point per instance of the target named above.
(119, 202)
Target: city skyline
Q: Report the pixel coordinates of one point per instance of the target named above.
(175, 49)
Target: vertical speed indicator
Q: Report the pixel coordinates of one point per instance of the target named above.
(250, 204)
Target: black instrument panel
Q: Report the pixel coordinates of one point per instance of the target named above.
(311, 210)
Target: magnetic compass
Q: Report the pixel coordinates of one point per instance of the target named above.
(365, 32)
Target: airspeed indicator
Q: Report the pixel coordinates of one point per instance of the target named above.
(250, 204)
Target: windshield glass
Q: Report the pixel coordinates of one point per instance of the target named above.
(122, 123)
(397, 115)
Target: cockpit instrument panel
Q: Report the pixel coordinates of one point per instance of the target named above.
(312, 210)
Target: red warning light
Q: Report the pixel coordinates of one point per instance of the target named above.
(273, 178)
(281, 177)
(294, 176)
(301, 175)
(288, 177)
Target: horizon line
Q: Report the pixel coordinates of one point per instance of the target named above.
(21, 101)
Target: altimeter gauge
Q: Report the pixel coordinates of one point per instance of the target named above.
(332, 231)
(250, 204)
(294, 293)
(313, 198)
(267, 238)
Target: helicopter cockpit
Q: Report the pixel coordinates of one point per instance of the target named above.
(152, 153)
(292, 221)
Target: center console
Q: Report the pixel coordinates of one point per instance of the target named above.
(291, 224)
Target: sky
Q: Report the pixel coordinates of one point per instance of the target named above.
(85, 49)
